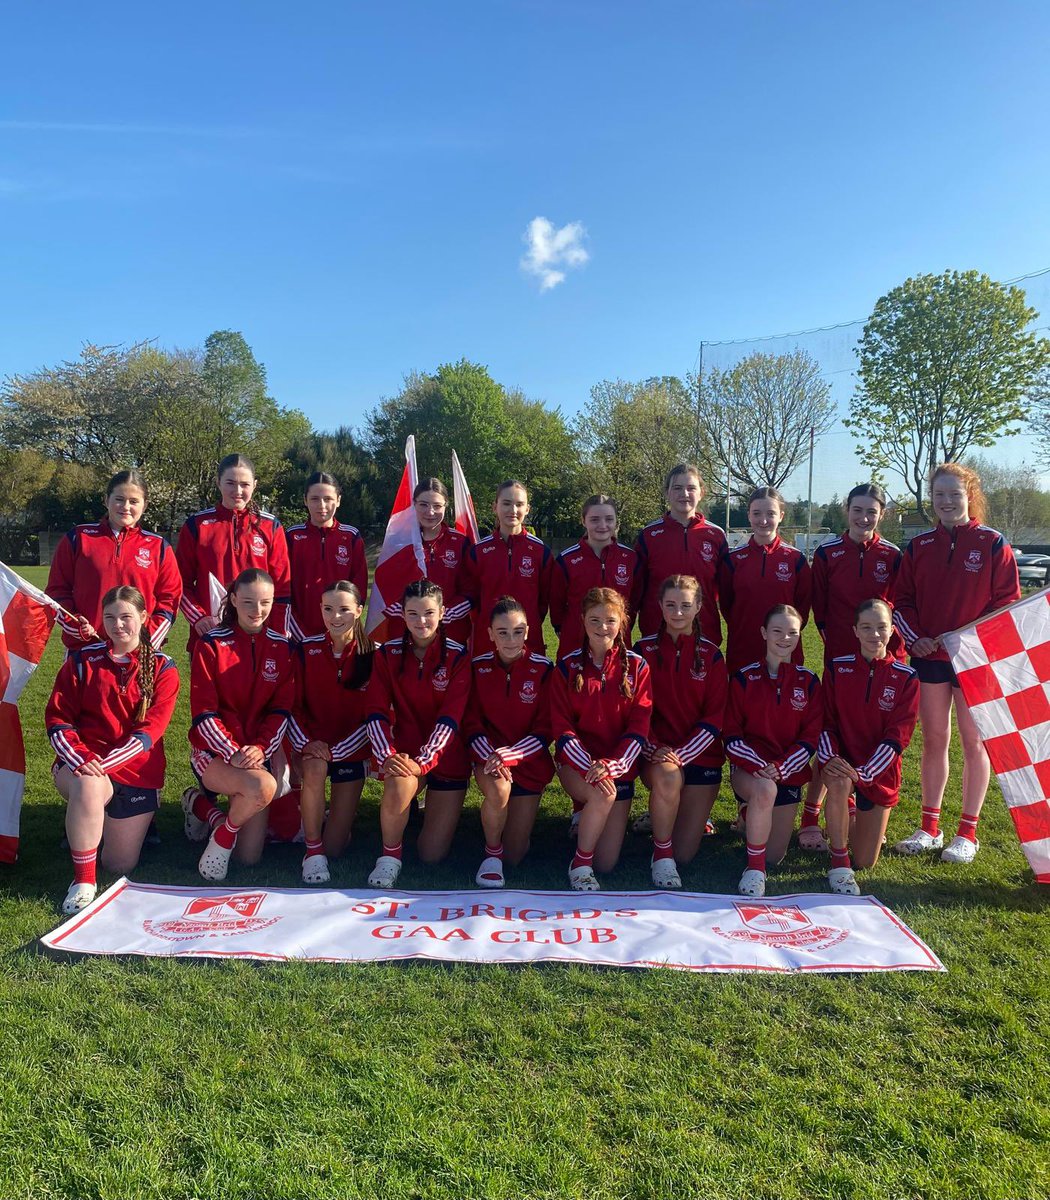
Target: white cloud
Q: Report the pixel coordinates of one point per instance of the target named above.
(553, 251)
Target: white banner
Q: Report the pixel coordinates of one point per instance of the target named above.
(685, 931)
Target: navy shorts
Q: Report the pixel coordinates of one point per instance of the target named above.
(697, 776)
(346, 772)
(934, 670)
(785, 795)
(862, 801)
(435, 783)
(624, 791)
(131, 801)
(518, 789)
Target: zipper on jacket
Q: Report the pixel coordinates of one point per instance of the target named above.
(860, 563)
(871, 676)
(951, 548)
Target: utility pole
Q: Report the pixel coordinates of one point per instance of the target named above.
(809, 513)
(699, 398)
(729, 475)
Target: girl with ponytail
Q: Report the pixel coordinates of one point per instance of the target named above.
(601, 707)
(110, 706)
(218, 543)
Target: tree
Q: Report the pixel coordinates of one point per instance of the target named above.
(1015, 500)
(944, 362)
(342, 455)
(757, 416)
(630, 435)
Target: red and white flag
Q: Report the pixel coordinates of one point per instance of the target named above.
(1003, 666)
(26, 618)
(401, 560)
(466, 518)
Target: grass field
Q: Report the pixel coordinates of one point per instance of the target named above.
(160, 1079)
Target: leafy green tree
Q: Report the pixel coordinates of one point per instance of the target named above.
(1016, 502)
(757, 416)
(944, 364)
(340, 454)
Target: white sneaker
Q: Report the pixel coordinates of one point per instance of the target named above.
(196, 829)
(843, 882)
(812, 839)
(581, 879)
(78, 897)
(315, 869)
(960, 850)
(918, 843)
(490, 873)
(665, 873)
(215, 861)
(385, 872)
(644, 824)
(752, 883)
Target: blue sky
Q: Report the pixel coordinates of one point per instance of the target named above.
(350, 185)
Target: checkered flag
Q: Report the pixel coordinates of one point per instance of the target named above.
(1003, 666)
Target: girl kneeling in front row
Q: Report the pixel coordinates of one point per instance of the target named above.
(601, 707)
(416, 699)
(871, 704)
(508, 728)
(683, 756)
(773, 723)
(241, 694)
(106, 718)
(328, 726)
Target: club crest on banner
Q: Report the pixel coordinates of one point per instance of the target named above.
(780, 925)
(214, 916)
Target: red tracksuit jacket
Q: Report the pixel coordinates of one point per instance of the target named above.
(331, 703)
(774, 721)
(519, 567)
(91, 559)
(242, 689)
(950, 577)
(751, 579)
(667, 548)
(509, 707)
(91, 715)
(690, 685)
(223, 543)
(870, 710)
(446, 565)
(598, 721)
(318, 557)
(416, 707)
(845, 574)
(578, 569)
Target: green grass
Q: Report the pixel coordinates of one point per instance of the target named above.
(143, 1079)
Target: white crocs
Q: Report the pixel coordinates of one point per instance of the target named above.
(490, 873)
(78, 897)
(581, 879)
(215, 861)
(385, 872)
(752, 883)
(315, 869)
(918, 843)
(665, 873)
(843, 882)
(812, 839)
(960, 850)
(196, 830)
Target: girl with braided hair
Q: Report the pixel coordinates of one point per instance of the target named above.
(215, 545)
(110, 706)
(416, 699)
(601, 707)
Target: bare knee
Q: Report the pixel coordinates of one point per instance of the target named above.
(315, 771)
(117, 863)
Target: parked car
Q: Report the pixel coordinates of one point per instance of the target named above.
(1034, 569)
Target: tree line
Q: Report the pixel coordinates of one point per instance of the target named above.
(947, 364)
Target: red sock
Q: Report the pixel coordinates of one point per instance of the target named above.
(931, 821)
(852, 802)
(662, 849)
(810, 816)
(207, 810)
(582, 858)
(226, 834)
(494, 851)
(968, 827)
(313, 848)
(756, 857)
(840, 858)
(393, 851)
(84, 866)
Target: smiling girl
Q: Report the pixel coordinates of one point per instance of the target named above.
(106, 719)
(951, 575)
(218, 543)
(92, 559)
